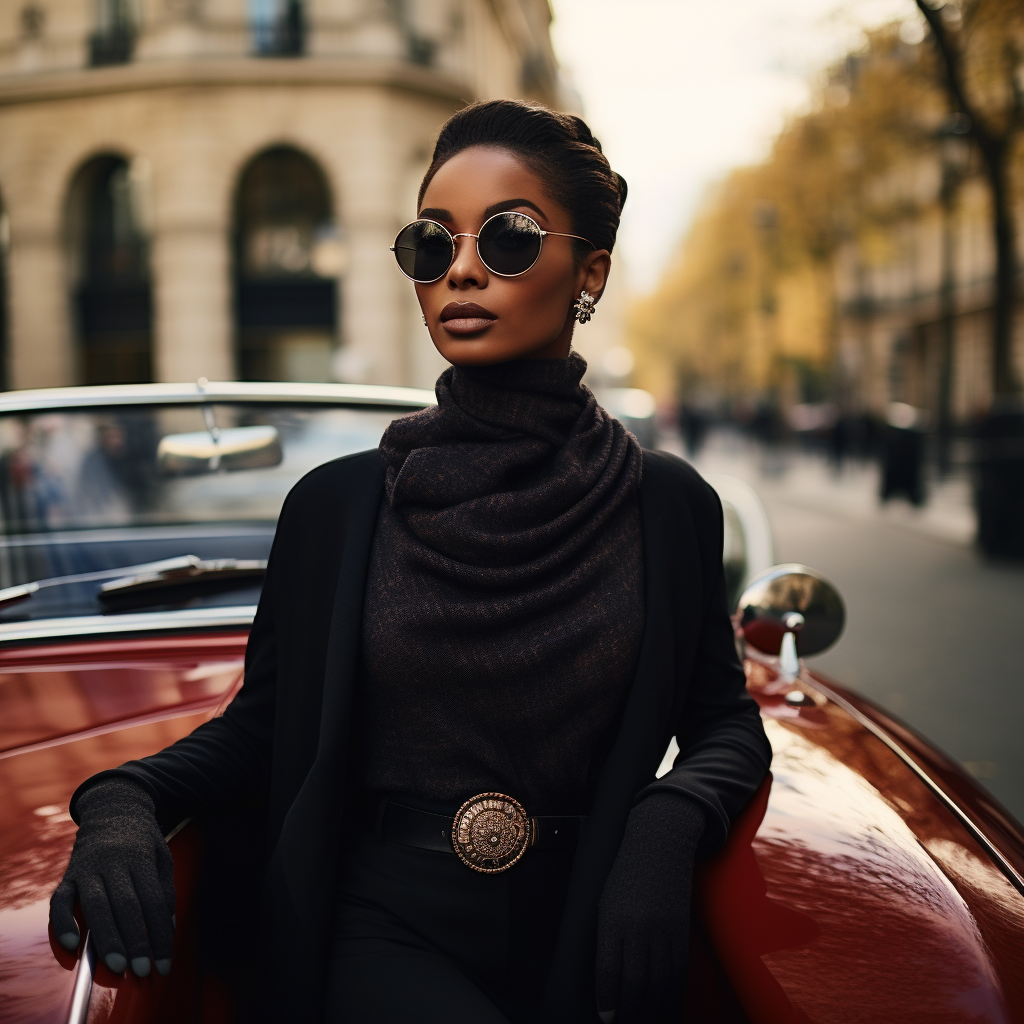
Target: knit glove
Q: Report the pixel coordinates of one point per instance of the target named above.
(122, 872)
(643, 921)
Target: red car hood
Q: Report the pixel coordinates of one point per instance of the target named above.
(66, 712)
(850, 889)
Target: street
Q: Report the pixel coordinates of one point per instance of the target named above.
(933, 630)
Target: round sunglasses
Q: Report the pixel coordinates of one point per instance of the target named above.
(508, 244)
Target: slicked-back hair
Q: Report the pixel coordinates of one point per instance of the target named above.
(559, 148)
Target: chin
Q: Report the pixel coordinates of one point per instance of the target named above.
(482, 350)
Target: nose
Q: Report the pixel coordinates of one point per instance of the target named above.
(466, 270)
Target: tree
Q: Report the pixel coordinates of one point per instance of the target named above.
(751, 295)
(980, 45)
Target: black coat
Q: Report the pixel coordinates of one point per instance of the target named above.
(286, 734)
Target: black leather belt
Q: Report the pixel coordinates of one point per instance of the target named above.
(489, 834)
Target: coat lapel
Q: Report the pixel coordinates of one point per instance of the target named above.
(308, 846)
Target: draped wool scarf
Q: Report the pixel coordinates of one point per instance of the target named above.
(504, 601)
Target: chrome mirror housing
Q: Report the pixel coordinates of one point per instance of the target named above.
(794, 600)
(210, 451)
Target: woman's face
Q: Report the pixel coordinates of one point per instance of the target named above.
(476, 317)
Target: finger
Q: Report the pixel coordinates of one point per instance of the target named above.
(633, 983)
(165, 872)
(663, 991)
(609, 969)
(124, 902)
(679, 953)
(155, 911)
(100, 919)
(62, 915)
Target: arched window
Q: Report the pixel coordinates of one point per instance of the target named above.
(110, 271)
(287, 261)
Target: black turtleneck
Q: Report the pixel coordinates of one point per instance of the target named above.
(504, 602)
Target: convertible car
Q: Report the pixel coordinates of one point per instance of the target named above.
(870, 879)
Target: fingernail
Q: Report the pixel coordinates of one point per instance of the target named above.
(116, 962)
(140, 966)
(607, 1016)
(69, 940)
(163, 967)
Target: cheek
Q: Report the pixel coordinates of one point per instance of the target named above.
(432, 297)
(543, 299)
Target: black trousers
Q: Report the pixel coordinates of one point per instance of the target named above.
(419, 937)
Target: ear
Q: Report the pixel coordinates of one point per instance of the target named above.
(593, 273)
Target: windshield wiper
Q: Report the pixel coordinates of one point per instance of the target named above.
(181, 572)
(127, 579)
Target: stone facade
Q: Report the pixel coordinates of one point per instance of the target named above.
(361, 95)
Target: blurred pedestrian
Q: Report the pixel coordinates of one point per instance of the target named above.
(903, 451)
(693, 424)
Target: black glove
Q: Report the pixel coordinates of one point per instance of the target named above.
(643, 920)
(122, 872)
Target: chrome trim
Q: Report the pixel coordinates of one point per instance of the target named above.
(149, 570)
(229, 617)
(183, 569)
(876, 730)
(79, 1012)
(213, 392)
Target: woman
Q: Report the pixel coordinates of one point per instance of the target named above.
(471, 651)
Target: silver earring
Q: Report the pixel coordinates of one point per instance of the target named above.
(584, 307)
(424, 321)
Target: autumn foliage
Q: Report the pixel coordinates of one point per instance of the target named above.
(750, 304)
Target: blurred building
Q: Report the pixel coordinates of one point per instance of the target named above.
(210, 187)
(915, 306)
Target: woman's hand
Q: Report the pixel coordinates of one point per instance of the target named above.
(644, 915)
(122, 872)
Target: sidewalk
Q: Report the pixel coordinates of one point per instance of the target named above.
(807, 480)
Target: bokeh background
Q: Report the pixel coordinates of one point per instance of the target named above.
(816, 288)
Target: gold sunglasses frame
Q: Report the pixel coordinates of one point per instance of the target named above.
(468, 234)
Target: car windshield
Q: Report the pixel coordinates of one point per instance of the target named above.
(83, 491)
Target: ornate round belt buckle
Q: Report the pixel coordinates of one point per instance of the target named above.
(490, 832)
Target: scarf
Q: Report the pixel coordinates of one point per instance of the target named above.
(504, 602)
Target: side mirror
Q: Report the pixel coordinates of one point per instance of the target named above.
(791, 599)
(230, 449)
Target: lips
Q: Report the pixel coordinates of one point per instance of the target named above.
(466, 317)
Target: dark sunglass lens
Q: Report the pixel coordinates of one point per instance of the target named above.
(510, 243)
(423, 250)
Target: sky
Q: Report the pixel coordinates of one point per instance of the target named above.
(680, 91)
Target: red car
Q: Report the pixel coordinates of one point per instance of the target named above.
(869, 880)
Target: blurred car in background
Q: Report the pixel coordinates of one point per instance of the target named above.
(635, 408)
(869, 879)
